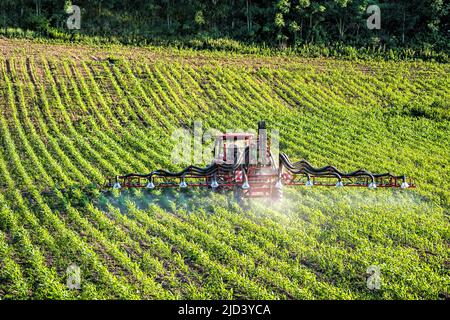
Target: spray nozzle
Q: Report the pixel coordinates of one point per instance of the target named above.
(279, 185)
(214, 183)
(150, 184)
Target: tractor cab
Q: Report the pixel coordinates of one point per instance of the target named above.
(256, 178)
(230, 147)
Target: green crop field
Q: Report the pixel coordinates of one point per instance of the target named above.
(73, 115)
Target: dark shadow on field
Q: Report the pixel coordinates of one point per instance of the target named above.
(170, 199)
(192, 200)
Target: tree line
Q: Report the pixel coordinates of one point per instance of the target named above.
(276, 22)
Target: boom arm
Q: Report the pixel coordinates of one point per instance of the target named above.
(354, 179)
(227, 175)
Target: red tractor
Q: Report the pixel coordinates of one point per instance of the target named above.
(245, 164)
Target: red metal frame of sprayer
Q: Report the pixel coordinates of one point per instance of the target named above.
(259, 179)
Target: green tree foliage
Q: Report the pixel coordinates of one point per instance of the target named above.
(287, 22)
